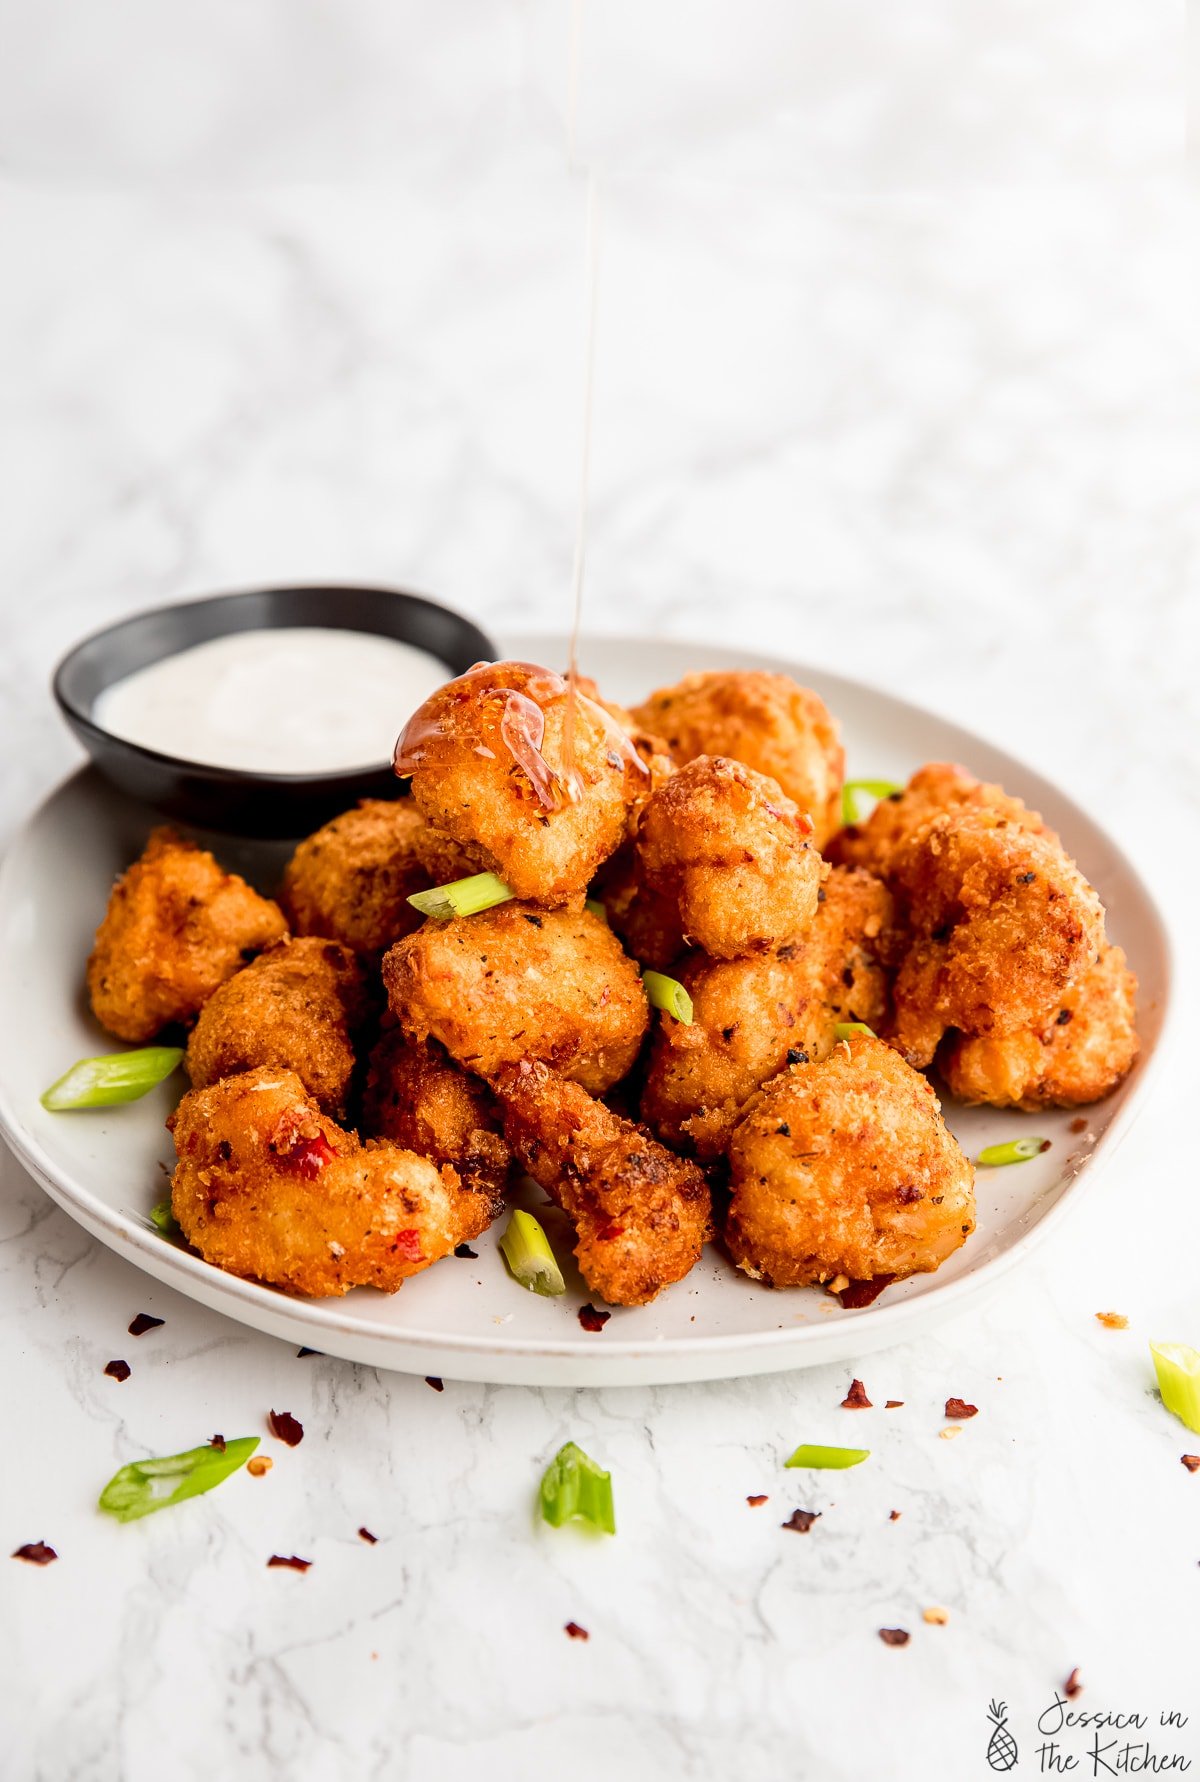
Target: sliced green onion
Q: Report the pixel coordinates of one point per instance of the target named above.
(596, 908)
(574, 1487)
(114, 1077)
(147, 1485)
(852, 810)
(526, 1249)
(814, 1454)
(464, 897)
(844, 1029)
(668, 994)
(1015, 1151)
(1178, 1370)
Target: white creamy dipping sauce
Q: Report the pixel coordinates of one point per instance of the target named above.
(304, 700)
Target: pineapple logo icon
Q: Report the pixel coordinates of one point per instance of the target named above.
(1002, 1747)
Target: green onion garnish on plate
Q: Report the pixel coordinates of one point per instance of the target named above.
(532, 1262)
(1178, 1369)
(575, 1488)
(1015, 1151)
(463, 897)
(115, 1077)
(844, 1029)
(148, 1485)
(669, 995)
(854, 791)
(816, 1455)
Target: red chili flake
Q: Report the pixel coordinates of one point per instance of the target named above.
(309, 1157)
(409, 1245)
(35, 1553)
(144, 1322)
(864, 1293)
(1079, 1123)
(894, 1636)
(591, 1319)
(285, 1426)
(759, 1498)
(1191, 1462)
(1072, 1686)
(432, 1380)
(893, 1404)
(575, 1632)
(465, 1252)
(364, 1534)
(959, 1408)
(856, 1399)
(118, 1370)
(294, 1563)
(893, 1515)
(800, 1521)
(217, 1442)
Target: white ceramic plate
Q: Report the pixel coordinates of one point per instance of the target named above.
(467, 1319)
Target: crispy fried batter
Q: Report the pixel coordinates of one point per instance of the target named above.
(734, 855)
(1078, 1055)
(486, 754)
(349, 882)
(176, 926)
(1001, 923)
(765, 721)
(268, 1187)
(418, 1098)
(641, 1214)
(295, 1008)
(753, 1016)
(516, 983)
(846, 1168)
(938, 789)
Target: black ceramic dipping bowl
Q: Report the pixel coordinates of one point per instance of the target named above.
(223, 798)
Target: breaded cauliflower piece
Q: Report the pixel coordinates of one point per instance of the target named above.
(733, 854)
(1000, 922)
(939, 789)
(767, 722)
(177, 925)
(846, 1168)
(753, 1016)
(269, 1188)
(418, 1098)
(487, 757)
(296, 1008)
(641, 1214)
(1078, 1055)
(349, 881)
(516, 983)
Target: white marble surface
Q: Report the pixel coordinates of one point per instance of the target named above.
(301, 299)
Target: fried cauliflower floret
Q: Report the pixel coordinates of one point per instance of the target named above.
(296, 1008)
(641, 1214)
(938, 789)
(846, 1168)
(350, 881)
(1078, 1055)
(269, 1188)
(1000, 922)
(733, 854)
(177, 925)
(753, 1016)
(765, 721)
(486, 755)
(516, 983)
(418, 1098)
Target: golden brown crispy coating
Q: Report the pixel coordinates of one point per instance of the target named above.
(753, 1016)
(1078, 1055)
(418, 1098)
(177, 925)
(487, 758)
(846, 1168)
(938, 789)
(516, 983)
(1000, 924)
(296, 1008)
(268, 1187)
(733, 854)
(641, 1214)
(764, 720)
(349, 882)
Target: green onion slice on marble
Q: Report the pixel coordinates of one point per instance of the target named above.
(148, 1485)
(112, 1078)
(574, 1488)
